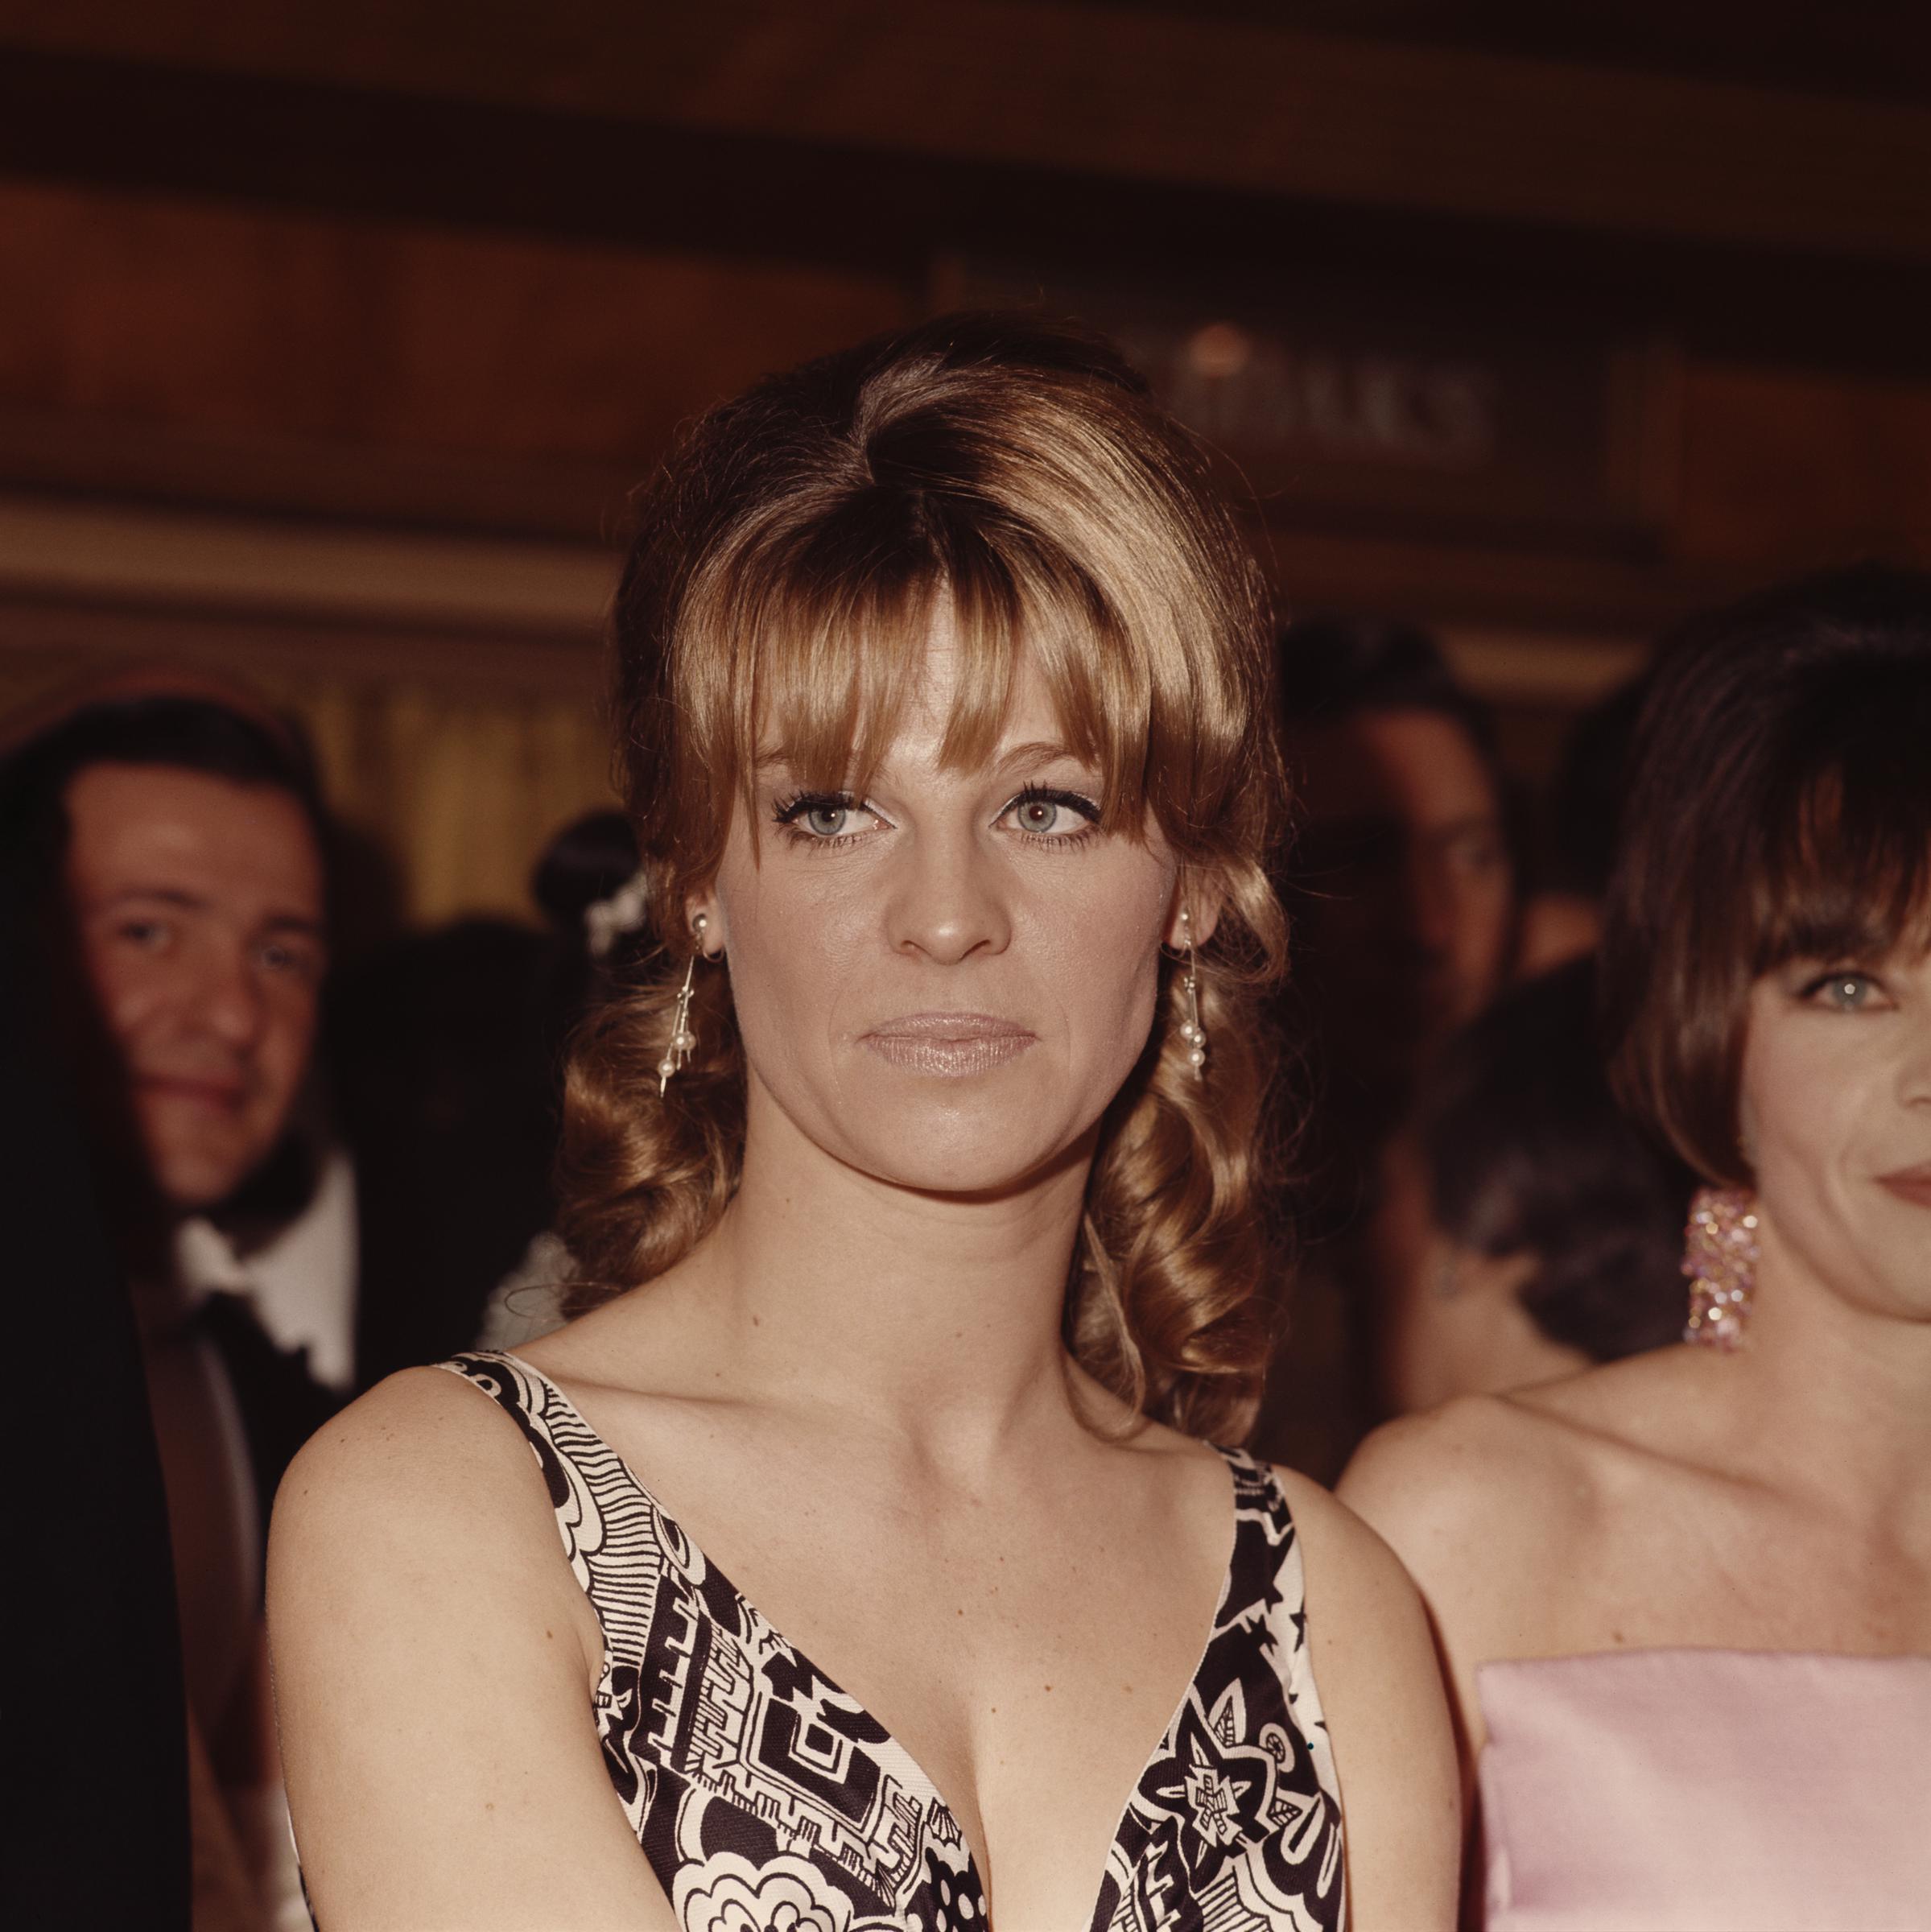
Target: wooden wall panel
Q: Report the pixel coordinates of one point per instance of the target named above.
(1786, 469)
(297, 326)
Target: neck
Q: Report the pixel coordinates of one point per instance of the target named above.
(1838, 1397)
(932, 1318)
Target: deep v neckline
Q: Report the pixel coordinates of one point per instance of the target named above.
(887, 1741)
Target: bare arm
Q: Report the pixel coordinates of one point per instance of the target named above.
(1479, 1502)
(434, 1665)
(1387, 1719)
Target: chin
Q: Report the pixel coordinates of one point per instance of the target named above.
(991, 1161)
(195, 1183)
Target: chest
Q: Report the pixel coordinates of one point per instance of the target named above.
(1741, 1572)
(1022, 1656)
(1051, 1739)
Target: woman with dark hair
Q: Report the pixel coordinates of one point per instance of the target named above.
(913, 1188)
(1685, 1598)
(1526, 1226)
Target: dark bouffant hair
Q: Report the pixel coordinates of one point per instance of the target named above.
(1779, 809)
(1527, 1152)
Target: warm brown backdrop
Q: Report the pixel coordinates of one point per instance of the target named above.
(332, 335)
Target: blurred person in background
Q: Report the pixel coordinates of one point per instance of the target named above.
(591, 889)
(914, 1190)
(1400, 894)
(446, 1052)
(1401, 876)
(173, 842)
(1528, 1229)
(1561, 918)
(442, 1069)
(1685, 1599)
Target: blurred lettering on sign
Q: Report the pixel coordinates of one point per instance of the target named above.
(1402, 410)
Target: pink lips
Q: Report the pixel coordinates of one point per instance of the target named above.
(953, 1045)
(1910, 1183)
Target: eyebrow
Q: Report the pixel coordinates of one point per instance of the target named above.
(192, 901)
(168, 895)
(1037, 751)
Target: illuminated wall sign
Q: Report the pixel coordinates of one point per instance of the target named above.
(1400, 410)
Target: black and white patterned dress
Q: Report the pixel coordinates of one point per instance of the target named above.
(764, 1797)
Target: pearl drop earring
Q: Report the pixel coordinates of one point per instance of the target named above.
(1191, 1031)
(683, 1041)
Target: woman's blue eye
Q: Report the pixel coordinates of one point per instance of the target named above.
(820, 818)
(1043, 813)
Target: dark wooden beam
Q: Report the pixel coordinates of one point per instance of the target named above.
(131, 125)
(1130, 96)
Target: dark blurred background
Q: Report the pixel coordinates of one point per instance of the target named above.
(332, 335)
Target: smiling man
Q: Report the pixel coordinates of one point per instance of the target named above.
(174, 841)
(197, 901)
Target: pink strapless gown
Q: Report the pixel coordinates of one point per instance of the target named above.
(1707, 1791)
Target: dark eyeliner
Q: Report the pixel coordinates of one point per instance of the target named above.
(1053, 794)
(785, 811)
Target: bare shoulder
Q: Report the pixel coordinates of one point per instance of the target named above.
(414, 1561)
(421, 1453)
(1347, 1562)
(420, 1504)
(1530, 1469)
(1386, 1711)
(1364, 1614)
(1478, 1472)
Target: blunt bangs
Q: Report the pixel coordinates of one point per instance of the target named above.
(1016, 477)
(1844, 870)
(1779, 810)
(806, 640)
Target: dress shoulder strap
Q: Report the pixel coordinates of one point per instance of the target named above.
(1268, 1576)
(617, 1541)
(1267, 1551)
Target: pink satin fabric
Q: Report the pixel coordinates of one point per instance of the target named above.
(1707, 1791)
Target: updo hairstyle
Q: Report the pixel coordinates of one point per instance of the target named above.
(1779, 809)
(778, 596)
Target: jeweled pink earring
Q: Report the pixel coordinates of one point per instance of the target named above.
(1719, 1256)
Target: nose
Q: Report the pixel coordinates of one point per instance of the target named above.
(1915, 1070)
(229, 1001)
(1430, 903)
(947, 900)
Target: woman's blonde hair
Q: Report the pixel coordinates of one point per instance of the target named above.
(781, 585)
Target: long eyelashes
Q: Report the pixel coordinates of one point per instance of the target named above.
(787, 811)
(1066, 801)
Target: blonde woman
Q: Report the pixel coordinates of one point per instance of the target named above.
(916, 1200)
